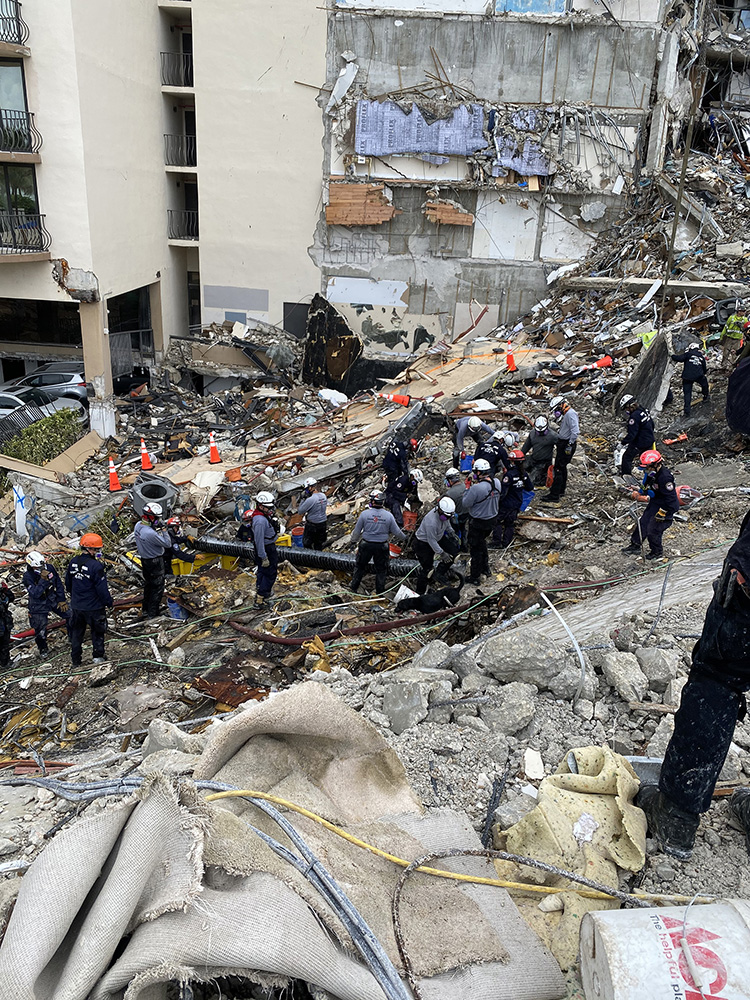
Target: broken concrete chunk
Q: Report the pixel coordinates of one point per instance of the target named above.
(534, 660)
(513, 811)
(657, 745)
(7, 847)
(533, 765)
(659, 665)
(623, 637)
(624, 674)
(432, 655)
(439, 711)
(514, 709)
(673, 693)
(730, 249)
(461, 661)
(405, 705)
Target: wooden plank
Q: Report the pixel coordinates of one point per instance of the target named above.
(358, 205)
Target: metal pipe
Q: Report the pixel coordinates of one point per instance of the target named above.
(301, 557)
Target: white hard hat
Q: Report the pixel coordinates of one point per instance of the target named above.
(452, 473)
(626, 400)
(474, 423)
(446, 505)
(692, 347)
(266, 499)
(311, 482)
(508, 439)
(35, 559)
(153, 508)
(481, 465)
(416, 475)
(557, 402)
(541, 423)
(269, 471)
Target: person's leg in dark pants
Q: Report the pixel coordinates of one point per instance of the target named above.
(77, 631)
(98, 624)
(641, 530)
(5, 647)
(364, 555)
(626, 464)
(463, 531)
(506, 528)
(479, 532)
(315, 536)
(703, 383)
(38, 621)
(394, 507)
(380, 558)
(563, 458)
(656, 530)
(426, 558)
(687, 392)
(266, 575)
(153, 586)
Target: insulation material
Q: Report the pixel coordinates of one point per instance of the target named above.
(359, 205)
(388, 329)
(506, 227)
(563, 238)
(383, 128)
(162, 886)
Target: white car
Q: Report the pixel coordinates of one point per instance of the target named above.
(36, 397)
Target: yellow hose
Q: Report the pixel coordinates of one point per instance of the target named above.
(475, 879)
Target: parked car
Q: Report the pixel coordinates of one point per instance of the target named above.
(61, 379)
(46, 403)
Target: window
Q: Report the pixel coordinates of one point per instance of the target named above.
(18, 190)
(12, 91)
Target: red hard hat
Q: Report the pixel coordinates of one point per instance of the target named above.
(247, 515)
(91, 541)
(649, 458)
(414, 443)
(517, 455)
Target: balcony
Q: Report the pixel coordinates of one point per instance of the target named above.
(13, 28)
(176, 69)
(180, 151)
(21, 233)
(182, 225)
(18, 134)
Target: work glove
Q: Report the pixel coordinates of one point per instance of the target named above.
(62, 607)
(446, 557)
(191, 539)
(661, 514)
(265, 563)
(569, 451)
(431, 573)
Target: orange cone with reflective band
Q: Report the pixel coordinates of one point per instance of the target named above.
(510, 361)
(114, 482)
(213, 451)
(401, 400)
(146, 463)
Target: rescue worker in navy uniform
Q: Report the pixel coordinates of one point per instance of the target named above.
(398, 491)
(7, 597)
(465, 427)
(435, 537)
(314, 507)
(567, 438)
(374, 526)
(493, 449)
(265, 531)
(694, 368)
(152, 542)
(639, 433)
(86, 582)
(178, 537)
(713, 700)
(513, 484)
(663, 504)
(46, 596)
(397, 456)
(481, 502)
(539, 448)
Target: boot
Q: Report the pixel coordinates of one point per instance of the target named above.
(673, 829)
(260, 601)
(631, 549)
(739, 805)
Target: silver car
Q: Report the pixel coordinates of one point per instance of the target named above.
(36, 397)
(61, 379)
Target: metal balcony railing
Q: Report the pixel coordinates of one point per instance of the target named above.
(176, 69)
(18, 134)
(182, 225)
(180, 151)
(13, 28)
(23, 233)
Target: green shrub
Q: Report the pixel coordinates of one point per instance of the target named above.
(43, 441)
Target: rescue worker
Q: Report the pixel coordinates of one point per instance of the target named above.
(733, 331)
(398, 491)
(374, 526)
(513, 484)
(481, 502)
(86, 582)
(472, 427)
(455, 487)
(152, 542)
(46, 595)
(6, 623)
(567, 438)
(175, 532)
(314, 506)
(397, 456)
(265, 531)
(435, 537)
(493, 449)
(663, 504)
(713, 700)
(539, 448)
(694, 368)
(639, 433)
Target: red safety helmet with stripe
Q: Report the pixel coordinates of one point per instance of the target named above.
(649, 458)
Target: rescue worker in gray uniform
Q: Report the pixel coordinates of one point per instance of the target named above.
(455, 487)
(468, 427)
(481, 501)
(314, 506)
(374, 526)
(539, 449)
(435, 537)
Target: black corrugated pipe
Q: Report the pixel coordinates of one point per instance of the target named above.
(301, 557)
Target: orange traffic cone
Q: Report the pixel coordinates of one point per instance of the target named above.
(402, 400)
(510, 361)
(114, 482)
(146, 463)
(213, 451)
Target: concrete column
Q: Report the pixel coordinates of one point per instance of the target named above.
(157, 320)
(98, 367)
